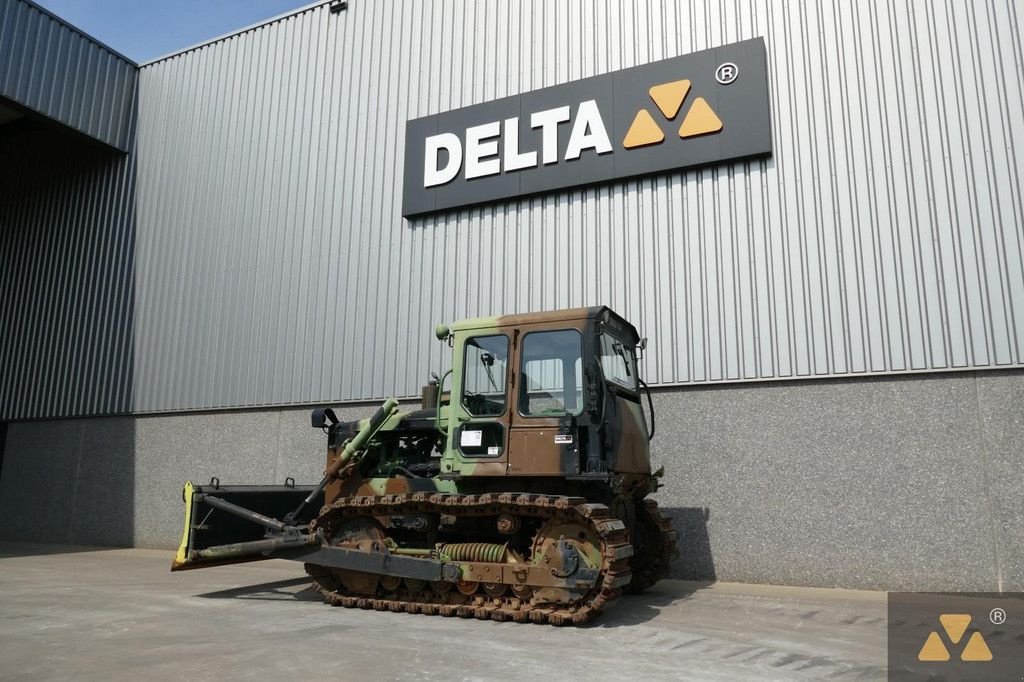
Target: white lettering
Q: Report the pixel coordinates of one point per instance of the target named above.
(477, 150)
(483, 156)
(587, 132)
(513, 159)
(432, 175)
(548, 122)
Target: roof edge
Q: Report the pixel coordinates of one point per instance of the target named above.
(61, 20)
(239, 31)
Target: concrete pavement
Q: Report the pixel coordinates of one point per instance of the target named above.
(99, 614)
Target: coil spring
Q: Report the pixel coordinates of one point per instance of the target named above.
(488, 552)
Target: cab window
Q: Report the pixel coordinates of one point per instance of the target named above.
(483, 375)
(552, 374)
(618, 361)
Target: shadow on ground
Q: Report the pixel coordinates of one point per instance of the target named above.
(631, 609)
(10, 550)
(277, 590)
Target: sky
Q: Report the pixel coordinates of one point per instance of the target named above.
(146, 29)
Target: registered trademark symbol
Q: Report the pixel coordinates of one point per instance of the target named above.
(997, 616)
(726, 73)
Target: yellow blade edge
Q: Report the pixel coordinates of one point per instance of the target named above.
(182, 555)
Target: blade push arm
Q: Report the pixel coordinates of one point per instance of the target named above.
(354, 448)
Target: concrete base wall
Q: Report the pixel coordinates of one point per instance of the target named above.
(910, 483)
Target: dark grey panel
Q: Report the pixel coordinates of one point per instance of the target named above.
(631, 93)
(421, 202)
(67, 254)
(591, 167)
(37, 486)
(52, 68)
(742, 105)
(752, 133)
(70, 481)
(104, 500)
(462, 191)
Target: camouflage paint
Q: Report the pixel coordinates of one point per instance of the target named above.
(453, 462)
(532, 446)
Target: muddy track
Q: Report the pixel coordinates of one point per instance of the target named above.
(651, 566)
(614, 572)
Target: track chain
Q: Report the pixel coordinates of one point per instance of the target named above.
(650, 567)
(613, 575)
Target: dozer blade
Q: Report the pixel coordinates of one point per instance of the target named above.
(237, 523)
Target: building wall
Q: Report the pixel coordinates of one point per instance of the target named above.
(67, 219)
(261, 262)
(909, 483)
(883, 235)
(67, 254)
(880, 483)
(53, 69)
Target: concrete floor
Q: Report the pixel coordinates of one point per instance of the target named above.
(99, 614)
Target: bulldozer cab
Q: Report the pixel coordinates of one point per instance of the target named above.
(545, 394)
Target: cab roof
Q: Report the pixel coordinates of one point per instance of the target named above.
(548, 316)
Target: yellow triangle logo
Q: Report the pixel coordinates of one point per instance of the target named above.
(955, 625)
(933, 649)
(669, 96)
(976, 649)
(700, 120)
(643, 131)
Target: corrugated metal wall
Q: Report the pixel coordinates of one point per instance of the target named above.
(884, 235)
(54, 69)
(67, 219)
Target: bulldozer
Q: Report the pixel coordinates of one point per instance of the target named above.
(518, 493)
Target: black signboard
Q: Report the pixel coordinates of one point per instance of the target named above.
(697, 109)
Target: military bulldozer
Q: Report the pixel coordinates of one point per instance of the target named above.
(520, 493)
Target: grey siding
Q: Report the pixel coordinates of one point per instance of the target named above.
(67, 221)
(54, 69)
(883, 236)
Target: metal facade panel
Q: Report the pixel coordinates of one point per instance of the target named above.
(56, 70)
(67, 242)
(884, 235)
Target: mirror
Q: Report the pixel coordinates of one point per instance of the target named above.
(321, 416)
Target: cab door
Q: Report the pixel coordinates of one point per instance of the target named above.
(478, 434)
(549, 400)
